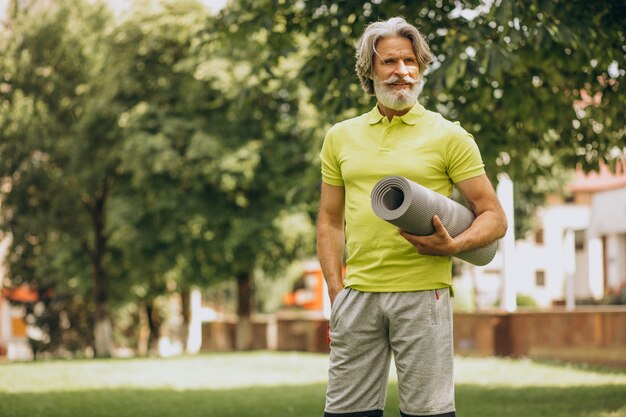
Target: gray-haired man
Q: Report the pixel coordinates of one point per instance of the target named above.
(396, 295)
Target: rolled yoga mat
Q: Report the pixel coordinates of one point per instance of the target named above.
(411, 207)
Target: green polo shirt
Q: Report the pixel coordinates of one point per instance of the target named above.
(421, 146)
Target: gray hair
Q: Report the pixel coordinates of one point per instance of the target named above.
(366, 48)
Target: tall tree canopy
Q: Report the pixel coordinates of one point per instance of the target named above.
(166, 162)
(59, 156)
(171, 148)
(539, 84)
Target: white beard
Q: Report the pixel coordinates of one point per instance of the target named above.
(396, 99)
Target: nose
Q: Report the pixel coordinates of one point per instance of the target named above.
(401, 69)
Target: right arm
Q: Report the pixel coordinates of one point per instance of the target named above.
(331, 237)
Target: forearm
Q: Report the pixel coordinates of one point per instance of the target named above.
(489, 226)
(330, 237)
(490, 223)
(330, 247)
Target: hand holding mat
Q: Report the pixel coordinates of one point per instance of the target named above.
(411, 207)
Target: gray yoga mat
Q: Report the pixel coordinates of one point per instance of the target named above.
(411, 207)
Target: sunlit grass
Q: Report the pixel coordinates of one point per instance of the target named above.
(526, 373)
(215, 372)
(264, 384)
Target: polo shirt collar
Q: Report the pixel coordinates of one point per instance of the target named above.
(410, 118)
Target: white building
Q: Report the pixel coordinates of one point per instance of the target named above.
(577, 253)
(13, 330)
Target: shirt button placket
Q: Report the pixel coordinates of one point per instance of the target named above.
(384, 145)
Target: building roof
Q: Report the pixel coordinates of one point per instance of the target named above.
(603, 180)
(23, 294)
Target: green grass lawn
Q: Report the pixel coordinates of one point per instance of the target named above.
(264, 384)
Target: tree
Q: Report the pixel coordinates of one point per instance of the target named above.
(515, 74)
(213, 153)
(58, 155)
(528, 66)
(154, 171)
(258, 151)
(160, 112)
(96, 181)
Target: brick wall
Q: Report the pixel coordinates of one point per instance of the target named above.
(305, 335)
(219, 336)
(594, 335)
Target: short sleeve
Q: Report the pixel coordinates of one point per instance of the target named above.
(331, 169)
(463, 156)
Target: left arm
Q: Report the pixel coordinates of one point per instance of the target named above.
(490, 223)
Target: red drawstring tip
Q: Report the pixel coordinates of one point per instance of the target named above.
(436, 294)
(328, 334)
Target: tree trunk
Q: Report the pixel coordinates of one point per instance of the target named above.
(103, 337)
(185, 307)
(154, 324)
(243, 339)
(143, 332)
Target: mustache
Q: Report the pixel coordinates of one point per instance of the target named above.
(394, 79)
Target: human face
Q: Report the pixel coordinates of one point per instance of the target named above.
(396, 75)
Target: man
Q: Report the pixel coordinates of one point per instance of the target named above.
(396, 294)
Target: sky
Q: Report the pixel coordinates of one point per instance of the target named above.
(119, 5)
(213, 5)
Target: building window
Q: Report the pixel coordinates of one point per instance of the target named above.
(540, 278)
(539, 236)
(579, 240)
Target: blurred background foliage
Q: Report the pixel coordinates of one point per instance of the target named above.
(168, 147)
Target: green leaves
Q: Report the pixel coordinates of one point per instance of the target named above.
(509, 72)
(182, 148)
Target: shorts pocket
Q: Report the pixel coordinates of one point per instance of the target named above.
(436, 302)
(339, 298)
(442, 306)
(424, 309)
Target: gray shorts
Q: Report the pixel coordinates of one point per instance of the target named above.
(366, 328)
